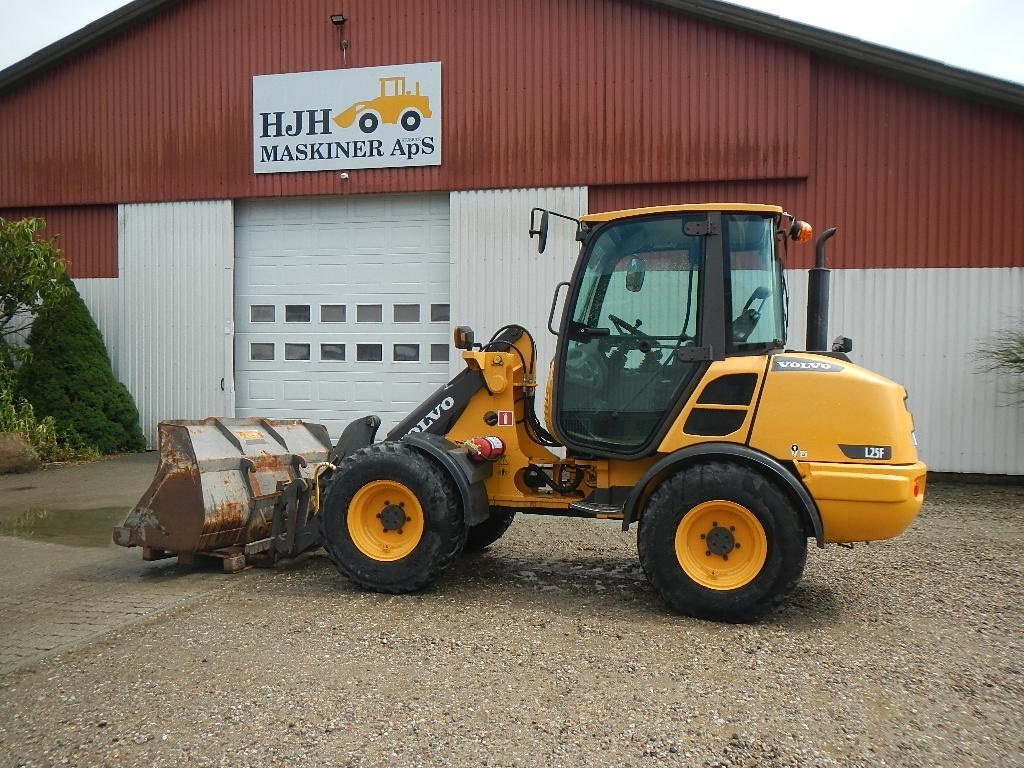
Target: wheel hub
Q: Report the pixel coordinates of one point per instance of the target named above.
(385, 520)
(721, 544)
(720, 541)
(392, 518)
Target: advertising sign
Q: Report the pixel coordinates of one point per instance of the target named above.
(343, 119)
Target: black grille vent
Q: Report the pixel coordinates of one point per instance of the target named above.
(733, 389)
(711, 422)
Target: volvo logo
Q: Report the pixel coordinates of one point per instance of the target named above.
(798, 364)
(433, 415)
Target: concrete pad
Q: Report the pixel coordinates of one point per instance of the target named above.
(116, 481)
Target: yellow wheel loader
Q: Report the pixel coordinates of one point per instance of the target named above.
(672, 403)
(395, 105)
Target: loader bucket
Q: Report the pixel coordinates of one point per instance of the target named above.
(217, 484)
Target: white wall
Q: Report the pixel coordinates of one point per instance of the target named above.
(921, 328)
(498, 277)
(166, 319)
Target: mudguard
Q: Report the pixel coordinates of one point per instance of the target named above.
(467, 475)
(681, 458)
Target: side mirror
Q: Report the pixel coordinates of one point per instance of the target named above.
(635, 273)
(842, 344)
(541, 229)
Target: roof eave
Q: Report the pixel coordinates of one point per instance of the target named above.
(907, 67)
(80, 41)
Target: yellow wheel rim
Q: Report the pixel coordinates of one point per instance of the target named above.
(721, 545)
(385, 520)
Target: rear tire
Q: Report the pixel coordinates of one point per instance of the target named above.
(410, 120)
(391, 520)
(482, 535)
(719, 541)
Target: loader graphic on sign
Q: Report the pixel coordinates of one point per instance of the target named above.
(395, 105)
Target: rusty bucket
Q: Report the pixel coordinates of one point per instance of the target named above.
(217, 485)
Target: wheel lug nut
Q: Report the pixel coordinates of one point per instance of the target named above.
(732, 527)
(708, 553)
(725, 557)
(399, 531)
(737, 545)
(703, 536)
(714, 525)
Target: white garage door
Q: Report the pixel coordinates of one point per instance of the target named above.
(341, 307)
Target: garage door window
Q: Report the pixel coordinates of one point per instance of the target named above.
(370, 313)
(261, 351)
(262, 313)
(369, 353)
(439, 313)
(406, 353)
(296, 313)
(332, 352)
(407, 313)
(332, 313)
(296, 351)
(439, 353)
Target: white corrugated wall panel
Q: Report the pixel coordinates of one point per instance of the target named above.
(922, 328)
(498, 277)
(174, 351)
(102, 295)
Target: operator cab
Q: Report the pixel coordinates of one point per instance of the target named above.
(656, 296)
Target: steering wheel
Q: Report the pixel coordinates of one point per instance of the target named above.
(647, 342)
(749, 316)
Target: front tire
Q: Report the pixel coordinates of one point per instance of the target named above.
(719, 541)
(391, 519)
(368, 122)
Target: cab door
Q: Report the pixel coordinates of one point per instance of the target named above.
(630, 342)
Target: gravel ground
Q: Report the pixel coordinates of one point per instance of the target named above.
(550, 649)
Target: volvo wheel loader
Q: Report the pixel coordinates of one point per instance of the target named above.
(673, 404)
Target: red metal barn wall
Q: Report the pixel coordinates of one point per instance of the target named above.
(639, 105)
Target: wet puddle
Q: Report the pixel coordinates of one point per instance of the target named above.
(76, 528)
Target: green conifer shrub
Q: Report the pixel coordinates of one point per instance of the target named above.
(68, 377)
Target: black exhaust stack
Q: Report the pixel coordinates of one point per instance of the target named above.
(817, 297)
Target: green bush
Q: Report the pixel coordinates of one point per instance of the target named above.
(1005, 354)
(68, 377)
(18, 416)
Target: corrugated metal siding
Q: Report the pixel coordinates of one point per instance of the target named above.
(175, 294)
(921, 327)
(912, 178)
(537, 93)
(103, 298)
(498, 277)
(86, 236)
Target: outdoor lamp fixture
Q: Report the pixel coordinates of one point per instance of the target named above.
(338, 20)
